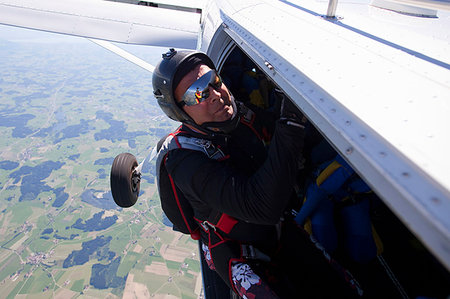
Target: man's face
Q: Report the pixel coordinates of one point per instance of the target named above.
(216, 108)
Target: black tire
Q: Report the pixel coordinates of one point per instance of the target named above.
(124, 180)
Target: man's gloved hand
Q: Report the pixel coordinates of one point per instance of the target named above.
(289, 113)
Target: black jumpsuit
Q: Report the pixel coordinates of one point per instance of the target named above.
(254, 186)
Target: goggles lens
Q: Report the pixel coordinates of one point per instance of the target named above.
(199, 90)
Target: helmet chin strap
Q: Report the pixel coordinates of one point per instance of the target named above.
(223, 127)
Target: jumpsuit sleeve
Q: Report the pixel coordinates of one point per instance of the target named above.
(260, 198)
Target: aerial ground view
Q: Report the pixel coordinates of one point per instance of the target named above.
(67, 108)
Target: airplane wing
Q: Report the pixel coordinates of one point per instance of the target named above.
(106, 20)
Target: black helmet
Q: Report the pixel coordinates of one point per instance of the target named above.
(164, 84)
(168, 74)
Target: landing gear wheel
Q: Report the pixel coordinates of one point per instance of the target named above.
(125, 180)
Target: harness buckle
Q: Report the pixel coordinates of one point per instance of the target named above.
(206, 225)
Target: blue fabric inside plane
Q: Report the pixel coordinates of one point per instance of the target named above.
(320, 206)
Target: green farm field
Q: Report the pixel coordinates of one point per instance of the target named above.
(67, 108)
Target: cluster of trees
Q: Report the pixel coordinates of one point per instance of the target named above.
(104, 276)
(96, 223)
(97, 248)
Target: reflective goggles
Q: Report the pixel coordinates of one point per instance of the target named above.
(199, 90)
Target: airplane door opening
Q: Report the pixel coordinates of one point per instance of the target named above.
(350, 220)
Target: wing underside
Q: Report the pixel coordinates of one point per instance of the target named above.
(118, 22)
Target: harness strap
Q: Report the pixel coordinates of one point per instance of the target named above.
(195, 233)
(224, 223)
(203, 145)
(176, 141)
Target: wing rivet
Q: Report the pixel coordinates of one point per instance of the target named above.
(435, 200)
(269, 66)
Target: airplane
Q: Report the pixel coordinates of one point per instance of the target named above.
(372, 76)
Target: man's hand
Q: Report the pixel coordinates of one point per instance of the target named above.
(289, 113)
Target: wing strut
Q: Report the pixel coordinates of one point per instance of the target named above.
(124, 54)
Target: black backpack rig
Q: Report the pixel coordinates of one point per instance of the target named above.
(176, 207)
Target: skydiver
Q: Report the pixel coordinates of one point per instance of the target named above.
(218, 182)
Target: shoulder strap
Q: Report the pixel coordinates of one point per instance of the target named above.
(202, 145)
(176, 141)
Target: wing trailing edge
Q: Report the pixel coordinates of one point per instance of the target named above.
(112, 21)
